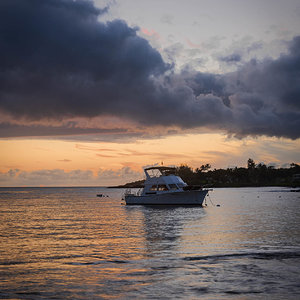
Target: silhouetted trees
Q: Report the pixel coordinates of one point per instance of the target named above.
(250, 164)
(253, 175)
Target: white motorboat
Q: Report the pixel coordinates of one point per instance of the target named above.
(162, 187)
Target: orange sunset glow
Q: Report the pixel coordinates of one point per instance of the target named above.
(107, 161)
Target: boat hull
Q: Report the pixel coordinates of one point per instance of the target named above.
(176, 198)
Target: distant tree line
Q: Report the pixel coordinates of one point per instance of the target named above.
(253, 175)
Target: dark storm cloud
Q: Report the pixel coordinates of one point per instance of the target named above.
(265, 96)
(69, 129)
(58, 60)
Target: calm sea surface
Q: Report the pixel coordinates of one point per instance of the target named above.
(66, 243)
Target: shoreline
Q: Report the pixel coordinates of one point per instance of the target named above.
(132, 186)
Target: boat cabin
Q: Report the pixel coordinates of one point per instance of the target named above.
(162, 180)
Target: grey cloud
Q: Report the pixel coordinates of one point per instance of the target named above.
(255, 46)
(173, 51)
(232, 58)
(167, 19)
(57, 60)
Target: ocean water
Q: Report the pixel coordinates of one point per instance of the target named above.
(66, 243)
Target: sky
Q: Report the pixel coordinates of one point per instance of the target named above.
(93, 91)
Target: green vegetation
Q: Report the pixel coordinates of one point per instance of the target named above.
(253, 175)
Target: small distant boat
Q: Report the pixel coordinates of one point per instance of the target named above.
(162, 187)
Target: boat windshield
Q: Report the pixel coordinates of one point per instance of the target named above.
(159, 171)
(154, 173)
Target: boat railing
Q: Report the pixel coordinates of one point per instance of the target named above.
(129, 192)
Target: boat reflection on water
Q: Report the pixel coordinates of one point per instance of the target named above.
(163, 228)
